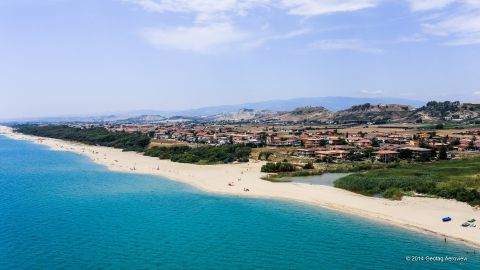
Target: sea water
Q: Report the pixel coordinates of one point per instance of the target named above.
(58, 210)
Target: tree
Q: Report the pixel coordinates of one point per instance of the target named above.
(342, 141)
(308, 166)
(405, 154)
(423, 144)
(471, 145)
(271, 167)
(264, 155)
(442, 155)
(439, 126)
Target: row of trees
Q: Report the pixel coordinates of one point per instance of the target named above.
(203, 154)
(93, 136)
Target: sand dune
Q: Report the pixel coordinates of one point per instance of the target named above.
(422, 214)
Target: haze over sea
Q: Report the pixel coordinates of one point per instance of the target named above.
(59, 210)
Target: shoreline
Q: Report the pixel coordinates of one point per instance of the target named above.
(413, 213)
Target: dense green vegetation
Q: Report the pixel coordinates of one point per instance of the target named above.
(275, 167)
(203, 154)
(306, 170)
(455, 179)
(94, 136)
(138, 142)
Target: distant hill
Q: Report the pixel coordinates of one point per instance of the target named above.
(379, 113)
(435, 111)
(301, 114)
(330, 103)
(242, 115)
(431, 112)
(225, 112)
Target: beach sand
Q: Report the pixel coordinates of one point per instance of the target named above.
(421, 214)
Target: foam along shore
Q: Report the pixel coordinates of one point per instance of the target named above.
(244, 179)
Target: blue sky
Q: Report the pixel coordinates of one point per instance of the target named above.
(66, 57)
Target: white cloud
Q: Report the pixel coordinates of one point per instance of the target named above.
(260, 41)
(476, 93)
(214, 22)
(194, 6)
(424, 5)
(412, 38)
(206, 8)
(345, 44)
(197, 38)
(319, 7)
(372, 92)
(459, 25)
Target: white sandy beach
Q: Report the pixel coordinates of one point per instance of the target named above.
(423, 214)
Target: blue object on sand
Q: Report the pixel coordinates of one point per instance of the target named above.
(445, 219)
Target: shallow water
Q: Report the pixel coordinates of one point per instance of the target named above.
(60, 211)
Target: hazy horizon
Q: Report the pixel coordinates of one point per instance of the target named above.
(139, 110)
(65, 57)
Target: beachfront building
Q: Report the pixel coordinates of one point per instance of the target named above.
(359, 142)
(287, 140)
(313, 142)
(331, 154)
(418, 153)
(386, 155)
(307, 152)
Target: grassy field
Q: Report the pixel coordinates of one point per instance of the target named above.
(454, 179)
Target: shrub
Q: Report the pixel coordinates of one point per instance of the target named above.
(272, 167)
(308, 166)
(394, 193)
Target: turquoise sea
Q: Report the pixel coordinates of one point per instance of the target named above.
(58, 210)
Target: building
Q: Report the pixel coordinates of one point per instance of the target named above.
(331, 154)
(307, 152)
(418, 152)
(385, 155)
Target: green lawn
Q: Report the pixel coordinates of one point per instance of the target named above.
(454, 179)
